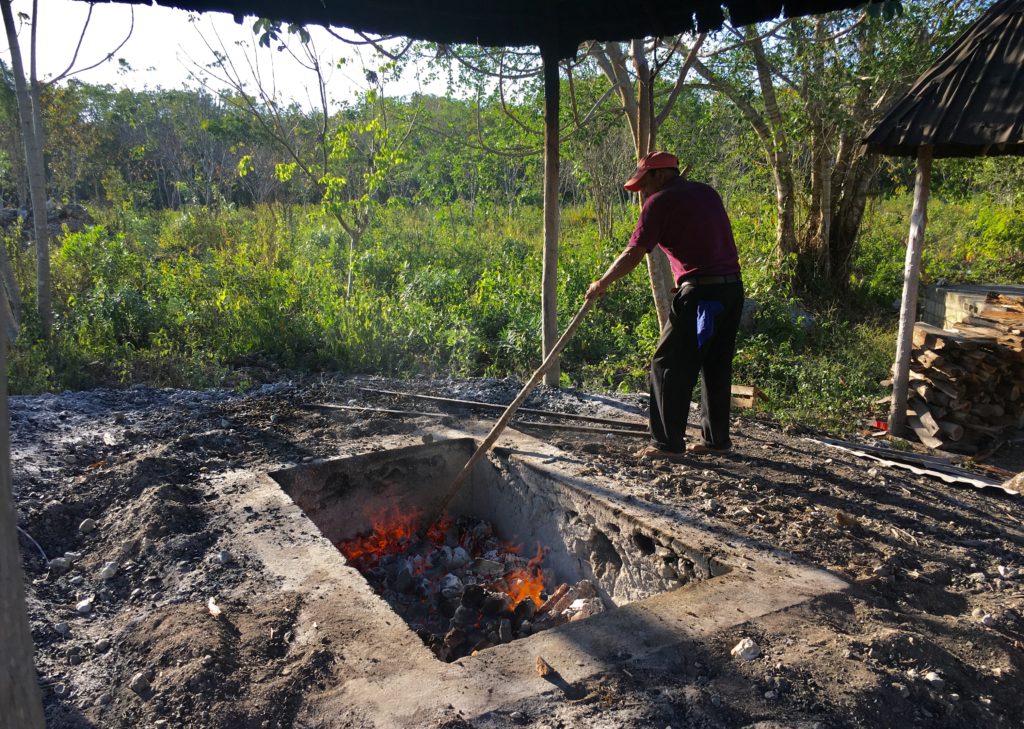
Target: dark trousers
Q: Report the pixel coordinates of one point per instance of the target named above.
(700, 338)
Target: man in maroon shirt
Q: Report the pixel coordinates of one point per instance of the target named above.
(688, 220)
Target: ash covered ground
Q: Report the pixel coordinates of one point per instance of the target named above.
(123, 491)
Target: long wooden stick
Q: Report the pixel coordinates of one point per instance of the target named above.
(509, 412)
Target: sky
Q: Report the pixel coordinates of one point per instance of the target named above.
(165, 47)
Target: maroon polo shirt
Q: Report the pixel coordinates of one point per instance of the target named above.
(688, 220)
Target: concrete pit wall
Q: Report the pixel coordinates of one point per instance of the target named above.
(586, 537)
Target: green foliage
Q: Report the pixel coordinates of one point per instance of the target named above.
(968, 240)
(185, 297)
(827, 378)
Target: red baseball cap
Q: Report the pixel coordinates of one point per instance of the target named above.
(651, 161)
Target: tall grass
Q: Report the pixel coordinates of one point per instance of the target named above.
(185, 297)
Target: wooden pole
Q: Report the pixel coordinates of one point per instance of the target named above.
(908, 306)
(507, 415)
(549, 276)
(20, 701)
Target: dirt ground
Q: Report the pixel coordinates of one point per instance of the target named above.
(929, 633)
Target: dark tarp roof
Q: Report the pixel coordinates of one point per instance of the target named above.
(561, 24)
(971, 102)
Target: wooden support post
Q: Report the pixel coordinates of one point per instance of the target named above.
(908, 306)
(20, 701)
(549, 276)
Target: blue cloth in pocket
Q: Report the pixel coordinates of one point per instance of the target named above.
(706, 313)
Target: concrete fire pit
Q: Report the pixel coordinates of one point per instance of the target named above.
(673, 582)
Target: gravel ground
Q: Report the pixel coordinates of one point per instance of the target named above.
(121, 491)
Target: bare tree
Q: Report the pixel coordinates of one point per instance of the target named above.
(634, 69)
(29, 91)
(317, 152)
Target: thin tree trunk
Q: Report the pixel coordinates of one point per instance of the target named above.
(549, 274)
(20, 701)
(779, 153)
(659, 271)
(31, 136)
(908, 307)
(847, 219)
(11, 294)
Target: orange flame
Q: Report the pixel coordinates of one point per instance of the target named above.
(392, 532)
(526, 582)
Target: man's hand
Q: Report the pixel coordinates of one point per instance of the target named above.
(597, 289)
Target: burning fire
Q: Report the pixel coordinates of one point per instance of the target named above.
(527, 582)
(394, 532)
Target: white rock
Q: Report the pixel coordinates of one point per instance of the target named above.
(451, 586)
(746, 650)
(978, 613)
(76, 580)
(108, 570)
(84, 607)
(1006, 572)
(60, 564)
(224, 557)
(87, 525)
(109, 438)
(988, 619)
(139, 683)
(934, 680)
(72, 556)
(460, 558)
(63, 629)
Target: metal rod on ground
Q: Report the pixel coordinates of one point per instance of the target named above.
(519, 423)
(495, 406)
(509, 412)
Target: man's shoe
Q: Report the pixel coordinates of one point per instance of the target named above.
(650, 453)
(703, 449)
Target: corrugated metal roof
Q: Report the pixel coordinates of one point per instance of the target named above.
(562, 24)
(971, 102)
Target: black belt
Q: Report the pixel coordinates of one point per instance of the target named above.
(710, 280)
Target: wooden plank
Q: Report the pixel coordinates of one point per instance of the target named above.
(930, 358)
(926, 438)
(924, 415)
(746, 397)
(978, 331)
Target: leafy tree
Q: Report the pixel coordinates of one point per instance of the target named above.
(819, 83)
(344, 155)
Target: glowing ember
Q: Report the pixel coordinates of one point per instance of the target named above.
(462, 589)
(393, 532)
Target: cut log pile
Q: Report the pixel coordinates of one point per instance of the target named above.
(968, 384)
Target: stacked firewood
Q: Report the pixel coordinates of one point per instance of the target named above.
(968, 384)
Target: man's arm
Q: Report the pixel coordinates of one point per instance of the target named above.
(620, 267)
